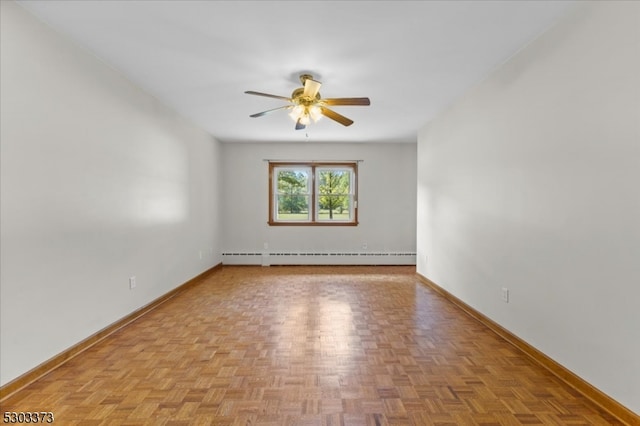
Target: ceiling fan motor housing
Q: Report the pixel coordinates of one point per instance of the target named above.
(298, 98)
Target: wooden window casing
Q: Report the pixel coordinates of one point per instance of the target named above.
(314, 194)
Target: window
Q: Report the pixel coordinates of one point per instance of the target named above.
(313, 193)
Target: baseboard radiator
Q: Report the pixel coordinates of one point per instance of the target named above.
(319, 258)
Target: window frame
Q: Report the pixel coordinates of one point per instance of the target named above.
(314, 192)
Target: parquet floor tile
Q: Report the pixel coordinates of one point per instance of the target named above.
(306, 346)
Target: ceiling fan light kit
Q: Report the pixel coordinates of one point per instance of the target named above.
(306, 104)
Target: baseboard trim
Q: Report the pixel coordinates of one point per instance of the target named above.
(46, 367)
(604, 401)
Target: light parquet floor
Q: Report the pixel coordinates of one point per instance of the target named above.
(306, 346)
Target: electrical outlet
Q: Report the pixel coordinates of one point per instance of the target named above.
(200, 254)
(505, 295)
(364, 246)
(132, 283)
(265, 246)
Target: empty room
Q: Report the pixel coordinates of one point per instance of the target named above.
(320, 212)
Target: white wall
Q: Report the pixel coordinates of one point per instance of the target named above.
(387, 185)
(99, 183)
(531, 182)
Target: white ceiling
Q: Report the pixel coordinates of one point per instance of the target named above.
(411, 58)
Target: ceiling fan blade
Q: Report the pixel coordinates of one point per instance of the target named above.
(336, 117)
(346, 101)
(251, 92)
(299, 125)
(311, 88)
(260, 114)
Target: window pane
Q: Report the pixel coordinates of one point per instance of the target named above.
(292, 207)
(292, 181)
(334, 207)
(334, 189)
(334, 181)
(292, 199)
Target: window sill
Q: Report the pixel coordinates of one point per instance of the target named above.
(271, 223)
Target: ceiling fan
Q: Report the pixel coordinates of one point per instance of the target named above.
(306, 104)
